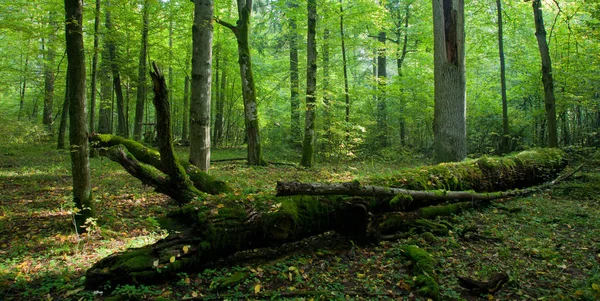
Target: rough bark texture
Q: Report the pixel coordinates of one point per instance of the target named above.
(80, 164)
(308, 146)
(242, 31)
(550, 101)
(449, 121)
(141, 84)
(202, 34)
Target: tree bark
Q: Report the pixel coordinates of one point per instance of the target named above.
(345, 67)
(449, 121)
(64, 116)
(94, 72)
(116, 77)
(78, 134)
(381, 114)
(550, 101)
(242, 31)
(185, 121)
(308, 146)
(202, 31)
(295, 128)
(505, 133)
(141, 84)
(220, 101)
(105, 110)
(327, 96)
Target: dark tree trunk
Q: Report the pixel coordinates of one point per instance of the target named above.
(345, 66)
(242, 31)
(308, 146)
(78, 134)
(295, 128)
(141, 84)
(403, 50)
(505, 133)
(550, 101)
(327, 106)
(202, 31)
(186, 110)
(222, 82)
(114, 66)
(381, 114)
(105, 110)
(94, 72)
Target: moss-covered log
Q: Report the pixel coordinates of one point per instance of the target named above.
(486, 174)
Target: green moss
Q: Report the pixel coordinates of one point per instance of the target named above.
(433, 211)
(423, 266)
(232, 280)
(401, 201)
(140, 262)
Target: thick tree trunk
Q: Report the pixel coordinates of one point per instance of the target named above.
(505, 133)
(449, 121)
(308, 146)
(78, 134)
(550, 101)
(94, 72)
(141, 84)
(202, 32)
(295, 129)
(242, 31)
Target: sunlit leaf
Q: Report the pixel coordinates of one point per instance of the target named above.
(257, 288)
(186, 249)
(172, 259)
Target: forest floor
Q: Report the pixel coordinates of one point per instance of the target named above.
(548, 243)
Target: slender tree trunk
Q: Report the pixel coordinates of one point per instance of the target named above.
(345, 67)
(49, 75)
(78, 134)
(399, 62)
(449, 121)
(23, 87)
(381, 115)
(295, 129)
(173, 105)
(326, 94)
(141, 85)
(186, 113)
(218, 132)
(105, 111)
(505, 132)
(64, 115)
(94, 73)
(114, 66)
(308, 147)
(241, 31)
(550, 101)
(202, 31)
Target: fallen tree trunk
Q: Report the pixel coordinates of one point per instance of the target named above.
(205, 229)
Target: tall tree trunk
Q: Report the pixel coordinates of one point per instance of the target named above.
(105, 110)
(218, 132)
(241, 31)
(141, 84)
(449, 121)
(23, 86)
(399, 61)
(295, 130)
(186, 111)
(114, 66)
(173, 105)
(94, 72)
(308, 147)
(326, 94)
(550, 101)
(78, 134)
(505, 134)
(64, 115)
(49, 74)
(345, 67)
(381, 115)
(201, 84)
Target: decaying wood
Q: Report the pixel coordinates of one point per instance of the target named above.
(491, 286)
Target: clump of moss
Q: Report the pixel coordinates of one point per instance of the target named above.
(423, 266)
